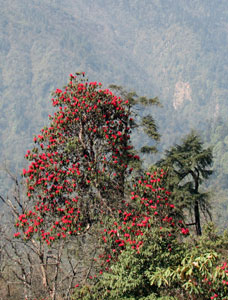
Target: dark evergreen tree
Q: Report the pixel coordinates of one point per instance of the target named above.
(187, 165)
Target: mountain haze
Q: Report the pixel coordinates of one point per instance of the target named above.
(176, 50)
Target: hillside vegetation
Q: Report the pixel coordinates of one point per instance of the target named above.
(175, 50)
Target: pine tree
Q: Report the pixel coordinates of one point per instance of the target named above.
(188, 165)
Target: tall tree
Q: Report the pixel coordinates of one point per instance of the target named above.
(188, 165)
(80, 162)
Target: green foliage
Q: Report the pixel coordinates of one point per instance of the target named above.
(176, 51)
(188, 165)
(189, 157)
(202, 272)
(145, 124)
(149, 149)
(138, 241)
(191, 269)
(141, 275)
(150, 127)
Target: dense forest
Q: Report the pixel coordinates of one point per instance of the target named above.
(169, 49)
(92, 223)
(168, 59)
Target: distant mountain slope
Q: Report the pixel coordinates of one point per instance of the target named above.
(173, 49)
(41, 45)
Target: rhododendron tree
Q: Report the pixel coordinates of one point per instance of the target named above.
(146, 254)
(30, 269)
(148, 207)
(142, 237)
(80, 175)
(148, 261)
(80, 162)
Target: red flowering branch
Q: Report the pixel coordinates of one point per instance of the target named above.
(148, 208)
(79, 164)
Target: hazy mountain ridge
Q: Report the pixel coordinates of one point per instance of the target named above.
(150, 46)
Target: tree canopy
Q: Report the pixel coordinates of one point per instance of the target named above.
(80, 162)
(189, 164)
(80, 177)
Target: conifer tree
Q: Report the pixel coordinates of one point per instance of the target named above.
(188, 166)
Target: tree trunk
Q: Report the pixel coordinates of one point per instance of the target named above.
(196, 205)
(197, 218)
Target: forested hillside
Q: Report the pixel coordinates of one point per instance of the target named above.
(92, 223)
(175, 50)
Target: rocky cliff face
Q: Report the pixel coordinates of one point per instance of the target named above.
(182, 93)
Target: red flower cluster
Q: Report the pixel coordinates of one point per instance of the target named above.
(82, 154)
(149, 207)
